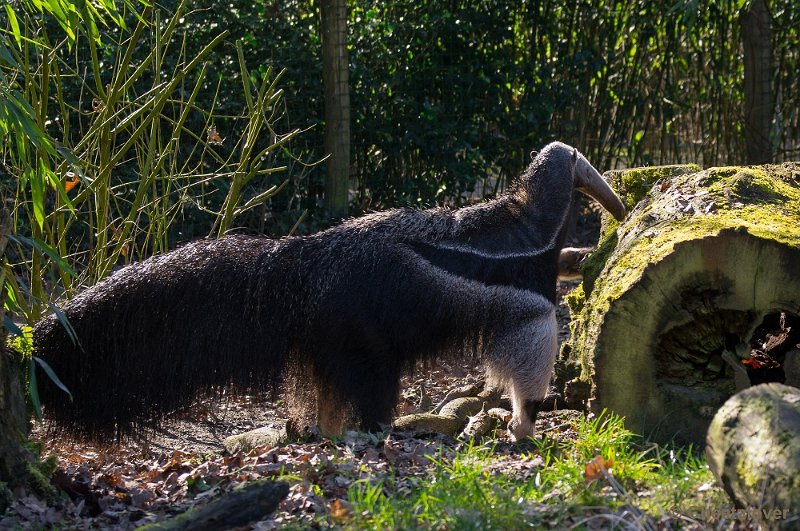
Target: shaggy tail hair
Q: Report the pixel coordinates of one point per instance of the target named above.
(134, 329)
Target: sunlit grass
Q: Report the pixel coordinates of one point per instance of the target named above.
(645, 482)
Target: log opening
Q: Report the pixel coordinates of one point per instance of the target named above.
(691, 354)
(705, 355)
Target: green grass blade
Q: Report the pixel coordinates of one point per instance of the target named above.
(45, 249)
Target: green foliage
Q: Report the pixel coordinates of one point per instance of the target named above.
(459, 494)
(575, 299)
(73, 16)
(448, 98)
(136, 148)
(436, 90)
(634, 184)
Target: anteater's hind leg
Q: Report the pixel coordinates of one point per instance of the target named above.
(364, 393)
(374, 401)
(359, 382)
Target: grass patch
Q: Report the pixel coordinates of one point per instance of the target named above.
(472, 490)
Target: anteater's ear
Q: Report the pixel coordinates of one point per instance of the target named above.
(574, 155)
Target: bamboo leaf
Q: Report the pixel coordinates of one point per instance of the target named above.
(62, 318)
(12, 19)
(45, 249)
(8, 58)
(21, 114)
(36, 182)
(60, 188)
(11, 326)
(52, 375)
(33, 389)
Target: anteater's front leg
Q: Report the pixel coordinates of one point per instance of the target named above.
(522, 358)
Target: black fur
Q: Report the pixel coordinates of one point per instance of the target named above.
(335, 317)
(532, 408)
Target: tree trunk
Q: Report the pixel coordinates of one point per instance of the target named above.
(756, 24)
(335, 73)
(14, 457)
(701, 275)
(753, 448)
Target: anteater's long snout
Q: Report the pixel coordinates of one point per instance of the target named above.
(591, 183)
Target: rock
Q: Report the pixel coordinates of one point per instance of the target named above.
(753, 448)
(249, 503)
(430, 422)
(453, 415)
(258, 438)
(791, 367)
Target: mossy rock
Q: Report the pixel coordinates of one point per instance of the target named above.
(753, 448)
(265, 437)
(697, 265)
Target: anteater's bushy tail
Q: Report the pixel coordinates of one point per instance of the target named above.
(155, 335)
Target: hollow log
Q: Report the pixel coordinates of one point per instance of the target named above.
(683, 303)
(753, 448)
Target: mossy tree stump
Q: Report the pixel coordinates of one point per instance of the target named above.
(685, 288)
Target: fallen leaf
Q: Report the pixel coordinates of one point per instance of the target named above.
(594, 468)
(758, 360)
(752, 363)
(339, 510)
(391, 450)
(370, 456)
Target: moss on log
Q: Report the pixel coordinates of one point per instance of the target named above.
(16, 461)
(18, 466)
(703, 260)
(240, 507)
(753, 448)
